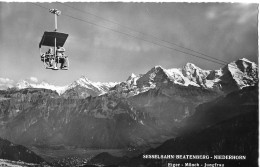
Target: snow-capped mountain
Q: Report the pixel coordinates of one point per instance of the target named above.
(27, 84)
(244, 72)
(233, 76)
(97, 86)
(83, 87)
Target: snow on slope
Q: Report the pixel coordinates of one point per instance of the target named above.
(243, 72)
(177, 77)
(83, 81)
(25, 84)
(100, 87)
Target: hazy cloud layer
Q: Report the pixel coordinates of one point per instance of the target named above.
(33, 79)
(6, 83)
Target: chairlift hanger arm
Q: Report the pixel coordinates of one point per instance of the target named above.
(54, 39)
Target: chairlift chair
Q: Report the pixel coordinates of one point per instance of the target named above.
(53, 39)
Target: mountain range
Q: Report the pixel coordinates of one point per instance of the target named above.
(83, 85)
(225, 126)
(134, 115)
(233, 76)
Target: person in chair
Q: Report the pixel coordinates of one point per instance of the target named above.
(48, 58)
(62, 58)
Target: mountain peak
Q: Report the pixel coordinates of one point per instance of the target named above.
(131, 77)
(190, 66)
(192, 69)
(83, 77)
(157, 67)
(243, 72)
(242, 64)
(83, 80)
(245, 59)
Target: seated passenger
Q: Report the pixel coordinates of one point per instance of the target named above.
(62, 58)
(48, 57)
(43, 57)
(49, 52)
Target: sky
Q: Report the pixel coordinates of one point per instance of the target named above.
(226, 31)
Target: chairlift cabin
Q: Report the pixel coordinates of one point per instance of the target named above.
(55, 58)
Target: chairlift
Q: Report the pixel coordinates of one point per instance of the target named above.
(55, 41)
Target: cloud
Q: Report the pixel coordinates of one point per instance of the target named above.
(240, 13)
(6, 83)
(6, 80)
(33, 79)
(247, 16)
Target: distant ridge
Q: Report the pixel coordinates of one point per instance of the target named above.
(233, 76)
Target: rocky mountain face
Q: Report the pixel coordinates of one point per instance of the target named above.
(234, 104)
(225, 126)
(236, 136)
(145, 109)
(40, 116)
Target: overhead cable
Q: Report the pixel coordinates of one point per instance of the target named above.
(135, 37)
(146, 34)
